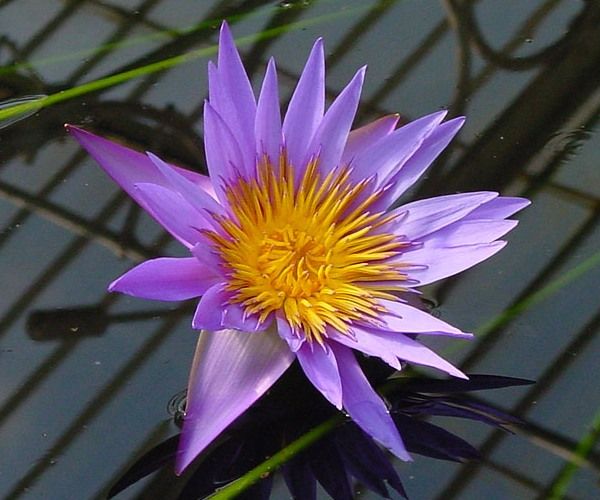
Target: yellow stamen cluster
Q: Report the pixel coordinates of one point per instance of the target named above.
(307, 247)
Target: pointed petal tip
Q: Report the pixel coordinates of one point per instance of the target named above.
(225, 31)
(180, 467)
(75, 130)
(456, 123)
(524, 202)
(114, 286)
(359, 76)
(183, 459)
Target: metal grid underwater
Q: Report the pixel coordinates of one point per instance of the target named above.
(83, 370)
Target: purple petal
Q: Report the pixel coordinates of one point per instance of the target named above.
(420, 161)
(469, 232)
(293, 339)
(404, 318)
(209, 312)
(268, 117)
(331, 136)
(440, 262)
(320, 366)
(128, 167)
(192, 193)
(206, 254)
(364, 137)
(369, 345)
(216, 311)
(233, 97)
(424, 217)
(363, 404)
(305, 110)
(166, 279)
(499, 208)
(172, 212)
(385, 344)
(230, 372)
(388, 155)
(223, 155)
(234, 317)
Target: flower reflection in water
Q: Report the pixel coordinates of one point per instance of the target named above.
(345, 457)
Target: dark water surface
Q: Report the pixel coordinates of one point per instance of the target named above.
(85, 390)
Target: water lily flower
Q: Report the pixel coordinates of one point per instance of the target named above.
(295, 252)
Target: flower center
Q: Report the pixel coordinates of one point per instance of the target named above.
(308, 248)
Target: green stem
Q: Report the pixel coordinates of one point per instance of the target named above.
(584, 447)
(541, 295)
(113, 80)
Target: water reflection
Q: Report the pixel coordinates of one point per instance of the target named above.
(526, 76)
(342, 459)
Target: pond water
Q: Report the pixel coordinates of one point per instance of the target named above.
(87, 376)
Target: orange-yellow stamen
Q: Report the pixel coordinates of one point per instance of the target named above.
(308, 248)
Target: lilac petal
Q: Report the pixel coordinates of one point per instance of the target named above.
(439, 263)
(233, 97)
(128, 167)
(371, 346)
(230, 371)
(499, 208)
(364, 137)
(172, 212)
(205, 253)
(388, 155)
(424, 217)
(404, 318)
(363, 404)
(234, 317)
(469, 232)
(268, 117)
(166, 279)
(223, 155)
(385, 345)
(331, 136)
(193, 194)
(215, 311)
(305, 110)
(293, 339)
(209, 312)
(320, 366)
(420, 161)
